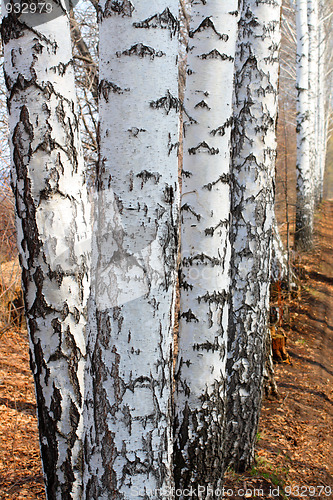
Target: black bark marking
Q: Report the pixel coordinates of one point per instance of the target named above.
(209, 231)
(165, 20)
(145, 176)
(167, 102)
(182, 282)
(221, 130)
(22, 138)
(141, 50)
(105, 87)
(186, 174)
(61, 68)
(203, 147)
(169, 195)
(189, 316)
(209, 346)
(122, 8)
(215, 54)
(172, 146)
(218, 298)
(208, 24)
(202, 104)
(201, 258)
(187, 208)
(73, 362)
(134, 131)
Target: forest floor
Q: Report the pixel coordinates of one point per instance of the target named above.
(294, 451)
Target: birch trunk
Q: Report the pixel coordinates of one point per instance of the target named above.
(279, 263)
(304, 191)
(134, 252)
(313, 93)
(321, 116)
(205, 247)
(252, 198)
(52, 220)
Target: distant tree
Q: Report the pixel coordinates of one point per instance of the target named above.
(304, 167)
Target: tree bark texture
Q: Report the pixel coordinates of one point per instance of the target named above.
(305, 178)
(134, 252)
(205, 248)
(279, 263)
(252, 197)
(321, 115)
(52, 220)
(312, 9)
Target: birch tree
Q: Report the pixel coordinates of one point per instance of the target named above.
(312, 97)
(129, 443)
(304, 189)
(252, 196)
(324, 103)
(205, 248)
(52, 219)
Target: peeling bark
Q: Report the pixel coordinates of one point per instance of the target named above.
(252, 197)
(205, 248)
(129, 444)
(53, 235)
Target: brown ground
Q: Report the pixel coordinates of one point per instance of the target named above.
(295, 438)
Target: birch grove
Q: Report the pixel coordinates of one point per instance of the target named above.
(127, 406)
(53, 233)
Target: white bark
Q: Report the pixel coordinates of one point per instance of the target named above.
(279, 264)
(53, 236)
(304, 189)
(321, 115)
(252, 198)
(134, 252)
(205, 247)
(313, 96)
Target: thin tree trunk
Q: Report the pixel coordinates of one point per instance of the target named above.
(252, 198)
(279, 262)
(134, 252)
(205, 247)
(53, 234)
(304, 188)
(322, 140)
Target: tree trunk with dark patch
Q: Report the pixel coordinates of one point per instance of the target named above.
(52, 219)
(305, 175)
(252, 198)
(205, 248)
(134, 252)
